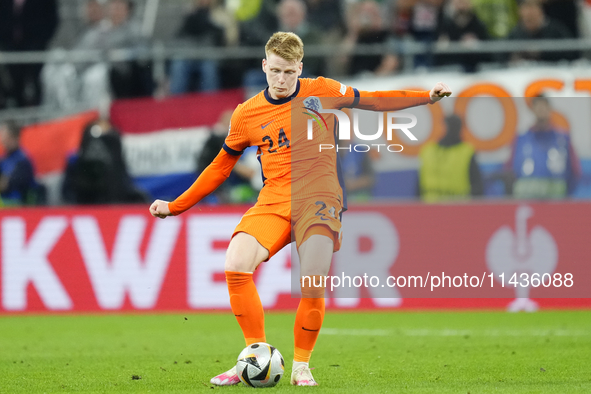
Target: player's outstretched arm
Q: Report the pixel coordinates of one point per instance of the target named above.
(394, 100)
(210, 179)
(159, 209)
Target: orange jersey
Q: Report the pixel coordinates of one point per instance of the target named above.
(291, 165)
(267, 123)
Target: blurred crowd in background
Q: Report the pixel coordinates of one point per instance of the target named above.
(34, 25)
(97, 173)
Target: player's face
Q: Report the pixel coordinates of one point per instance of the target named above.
(282, 75)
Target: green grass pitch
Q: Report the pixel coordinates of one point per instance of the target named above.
(367, 352)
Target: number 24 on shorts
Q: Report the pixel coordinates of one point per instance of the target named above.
(322, 211)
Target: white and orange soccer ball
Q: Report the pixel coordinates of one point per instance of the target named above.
(260, 365)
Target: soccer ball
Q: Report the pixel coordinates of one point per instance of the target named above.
(260, 365)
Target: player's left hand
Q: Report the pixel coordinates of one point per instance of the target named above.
(440, 91)
(159, 209)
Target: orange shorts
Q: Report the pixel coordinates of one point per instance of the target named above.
(277, 225)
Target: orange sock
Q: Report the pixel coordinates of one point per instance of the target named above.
(246, 306)
(309, 318)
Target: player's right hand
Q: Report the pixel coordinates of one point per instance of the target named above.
(159, 209)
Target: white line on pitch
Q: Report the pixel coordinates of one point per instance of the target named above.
(426, 332)
(352, 332)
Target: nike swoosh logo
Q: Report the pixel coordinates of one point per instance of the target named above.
(305, 329)
(263, 126)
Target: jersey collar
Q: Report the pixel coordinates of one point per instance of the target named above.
(284, 100)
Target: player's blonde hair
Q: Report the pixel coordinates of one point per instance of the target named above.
(286, 45)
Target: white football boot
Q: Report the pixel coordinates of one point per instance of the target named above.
(301, 376)
(228, 378)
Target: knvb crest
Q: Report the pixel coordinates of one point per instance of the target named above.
(312, 106)
(313, 103)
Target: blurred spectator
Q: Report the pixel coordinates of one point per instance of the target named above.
(543, 162)
(326, 16)
(197, 30)
(292, 16)
(94, 13)
(585, 16)
(366, 26)
(26, 25)
(565, 12)
(398, 17)
(4, 85)
(97, 173)
(17, 179)
(245, 180)
(63, 87)
(130, 78)
(425, 19)
(534, 25)
(121, 31)
(462, 26)
(448, 168)
(499, 16)
(258, 21)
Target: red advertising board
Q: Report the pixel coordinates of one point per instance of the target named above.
(93, 259)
